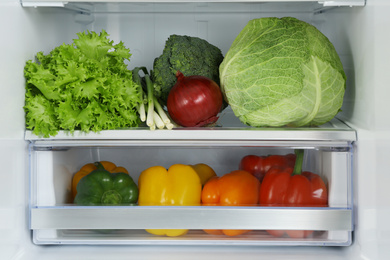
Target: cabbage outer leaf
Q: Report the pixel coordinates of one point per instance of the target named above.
(282, 72)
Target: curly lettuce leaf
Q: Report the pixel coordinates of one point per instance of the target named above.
(41, 117)
(81, 86)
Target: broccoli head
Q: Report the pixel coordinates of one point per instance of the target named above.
(190, 55)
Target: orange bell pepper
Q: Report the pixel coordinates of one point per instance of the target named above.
(237, 188)
(88, 168)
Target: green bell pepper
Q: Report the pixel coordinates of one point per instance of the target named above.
(100, 187)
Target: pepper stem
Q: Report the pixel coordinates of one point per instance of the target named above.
(99, 166)
(298, 161)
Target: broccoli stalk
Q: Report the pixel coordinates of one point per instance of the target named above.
(155, 115)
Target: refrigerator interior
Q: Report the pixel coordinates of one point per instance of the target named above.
(356, 32)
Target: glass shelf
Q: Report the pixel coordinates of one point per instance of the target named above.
(333, 131)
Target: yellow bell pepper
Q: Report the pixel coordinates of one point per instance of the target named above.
(180, 185)
(204, 172)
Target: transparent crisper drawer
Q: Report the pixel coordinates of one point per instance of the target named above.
(54, 219)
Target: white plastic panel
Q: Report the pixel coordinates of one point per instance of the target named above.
(154, 217)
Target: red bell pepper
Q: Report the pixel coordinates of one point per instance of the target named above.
(259, 165)
(288, 187)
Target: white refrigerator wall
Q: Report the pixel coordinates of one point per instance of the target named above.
(361, 34)
(25, 31)
(361, 38)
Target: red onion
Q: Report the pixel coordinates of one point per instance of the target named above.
(194, 101)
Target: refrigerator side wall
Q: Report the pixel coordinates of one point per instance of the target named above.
(24, 33)
(362, 39)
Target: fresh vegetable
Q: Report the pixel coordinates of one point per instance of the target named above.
(178, 186)
(190, 55)
(88, 168)
(81, 86)
(290, 187)
(204, 171)
(194, 101)
(282, 72)
(150, 110)
(237, 188)
(259, 165)
(100, 187)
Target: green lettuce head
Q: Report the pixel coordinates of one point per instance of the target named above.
(282, 72)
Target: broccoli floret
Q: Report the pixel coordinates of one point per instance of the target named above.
(190, 55)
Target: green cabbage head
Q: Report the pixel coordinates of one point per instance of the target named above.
(282, 72)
